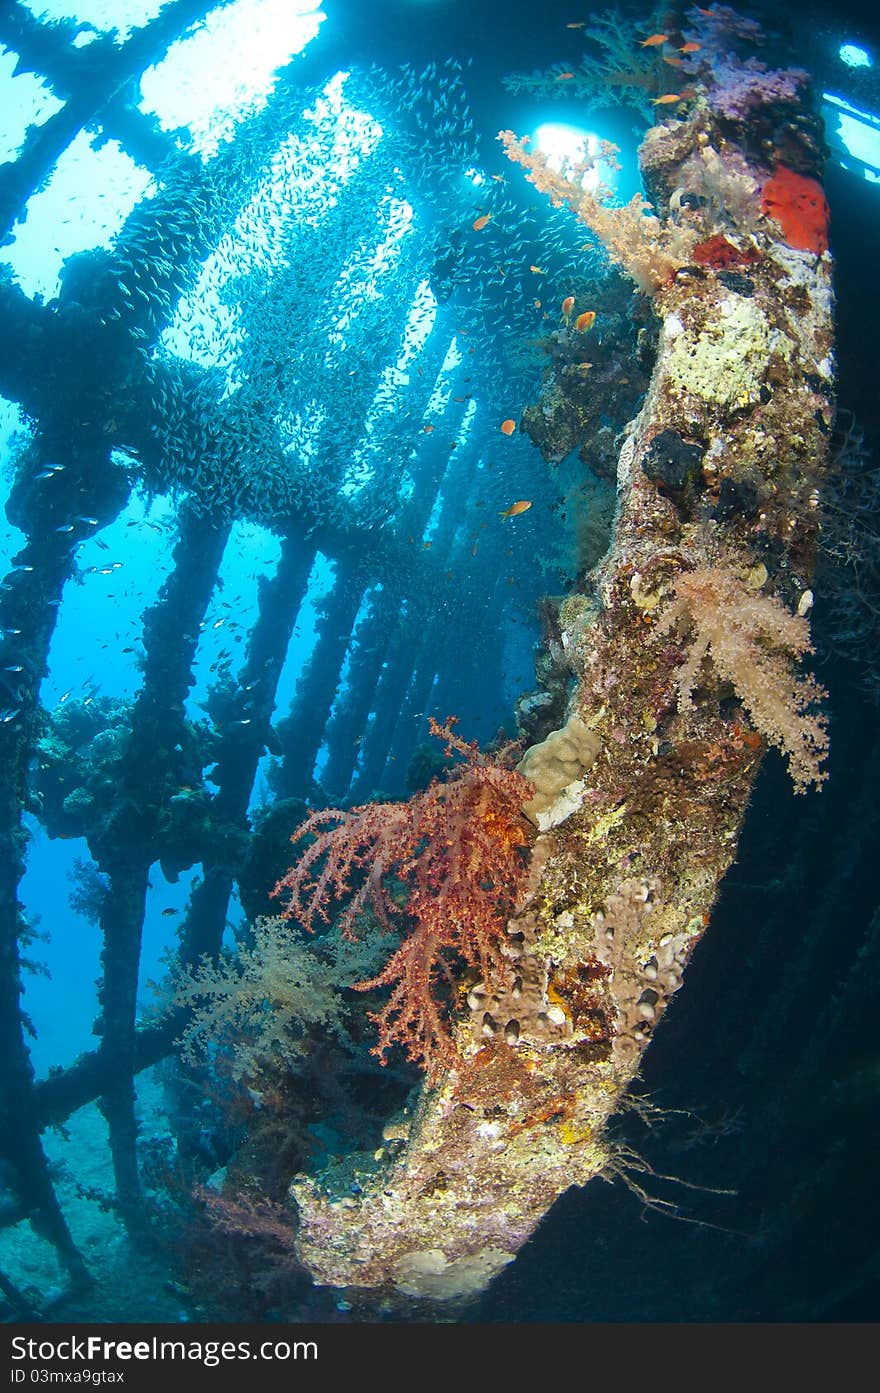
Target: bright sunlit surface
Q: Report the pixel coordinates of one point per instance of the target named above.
(208, 81)
(225, 69)
(69, 216)
(855, 57)
(121, 15)
(24, 101)
(568, 147)
(855, 134)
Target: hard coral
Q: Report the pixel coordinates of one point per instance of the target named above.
(798, 204)
(457, 851)
(556, 764)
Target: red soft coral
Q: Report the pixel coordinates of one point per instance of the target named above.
(458, 851)
(798, 204)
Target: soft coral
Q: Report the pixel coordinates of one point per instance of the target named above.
(458, 851)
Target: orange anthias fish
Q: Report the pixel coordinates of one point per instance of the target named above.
(564, 77)
(508, 427)
(481, 222)
(585, 321)
(567, 306)
(689, 48)
(655, 40)
(522, 505)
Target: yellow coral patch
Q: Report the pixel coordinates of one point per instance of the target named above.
(575, 1133)
(600, 829)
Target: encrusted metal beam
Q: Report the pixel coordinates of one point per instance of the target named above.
(683, 647)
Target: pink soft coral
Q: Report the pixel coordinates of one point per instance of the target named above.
(457, 850)
(753, 642)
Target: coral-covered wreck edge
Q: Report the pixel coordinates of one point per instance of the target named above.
(685, 646)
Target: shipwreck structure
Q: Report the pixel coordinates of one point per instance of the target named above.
(683, 643)
(288, 440)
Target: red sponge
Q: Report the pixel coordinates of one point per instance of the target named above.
(798, 204)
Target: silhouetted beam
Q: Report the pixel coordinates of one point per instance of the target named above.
(64, 1091)
(20, 1145)
(122, 918)
(21, 1305)
(89, 77)
(139, 134)
(451, 551)
(302, 730)
(28, 608)
(458, 639)
(127, 843)
(348, 721)
(46, 47)
(243, 714)
(47, 509)
(390, 692)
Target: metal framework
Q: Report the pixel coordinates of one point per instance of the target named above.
(116, 412)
